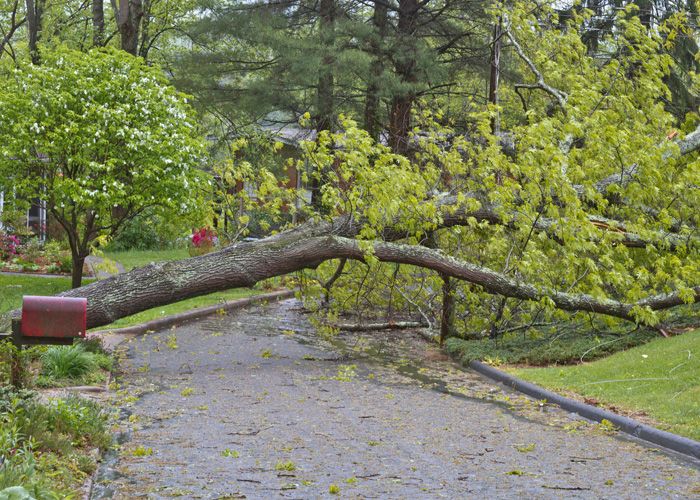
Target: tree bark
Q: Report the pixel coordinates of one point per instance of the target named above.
(98, 23)
(145, 44)
(373, 124)
(324, 97)
(130, 15)
(448, 309)
(405, 65)
(495, 74)
(35, 10)
(77, 271)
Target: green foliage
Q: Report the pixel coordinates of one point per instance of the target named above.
(100, 137)
(44, 446)
(152, 231)
(288, 466)
(544, 193)
(264, 203)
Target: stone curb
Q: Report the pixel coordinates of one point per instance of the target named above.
(184, 317)
(639, 430)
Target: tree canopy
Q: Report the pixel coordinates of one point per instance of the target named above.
(99, 137)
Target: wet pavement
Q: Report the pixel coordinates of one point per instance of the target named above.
(254, 404)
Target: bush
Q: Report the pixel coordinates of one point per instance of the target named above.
(9, 244)
(67, 362)
(150, 231)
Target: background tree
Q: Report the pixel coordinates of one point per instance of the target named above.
(100, 137)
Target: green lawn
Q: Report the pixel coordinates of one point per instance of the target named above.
(185, 305)
(660, 378)
(140, 258)
(12, 288)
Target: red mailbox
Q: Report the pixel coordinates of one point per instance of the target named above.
(54, 317)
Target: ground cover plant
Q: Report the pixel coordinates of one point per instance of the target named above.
(660, 379)
(83, 363)
(46, 445)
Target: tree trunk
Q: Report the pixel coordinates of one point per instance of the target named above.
(373, 125)
(494, 75)
(324, 96)
(448, 309)
(145, 44)
(244, 264)
(77, 271)
(405, 66)
(98, 23)
(130, 15)
(35, 9)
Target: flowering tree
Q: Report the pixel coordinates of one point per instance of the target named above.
(100, 137)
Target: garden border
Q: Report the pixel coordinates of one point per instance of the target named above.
(680, 444)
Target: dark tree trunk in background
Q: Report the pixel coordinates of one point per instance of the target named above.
(129, 19)
(373, 124)
(145, 44)
(98, 23)
(35, 10)
(495, 74)
(324, 101)
(405, 66)
(448, 309)
(77, 271)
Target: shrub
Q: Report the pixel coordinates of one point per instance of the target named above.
(8, 245)
(67, 361)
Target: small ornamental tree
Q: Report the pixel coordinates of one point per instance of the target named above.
(100, 137)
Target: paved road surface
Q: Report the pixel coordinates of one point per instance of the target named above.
(253, 405)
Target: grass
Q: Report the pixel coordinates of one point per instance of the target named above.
(12, 288)
(660, 379)
(178, 307)
(66, 361)
(139, 258)
(548, 349)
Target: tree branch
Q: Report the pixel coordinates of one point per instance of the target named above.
(559, 95)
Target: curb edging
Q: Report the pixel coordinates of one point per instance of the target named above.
(193, 314)
(627, 425)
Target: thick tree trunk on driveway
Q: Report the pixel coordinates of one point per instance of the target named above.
(244, 264)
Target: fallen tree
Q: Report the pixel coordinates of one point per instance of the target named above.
(576, 218)
(245, 264)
